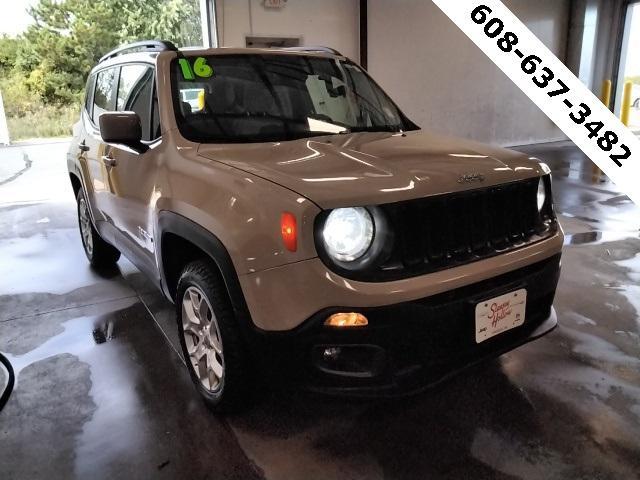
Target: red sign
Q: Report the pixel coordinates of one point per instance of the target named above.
(274, 3)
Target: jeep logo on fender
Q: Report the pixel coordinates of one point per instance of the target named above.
(471, 177)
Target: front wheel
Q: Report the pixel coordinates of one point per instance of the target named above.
(210, 340)
(99, 253)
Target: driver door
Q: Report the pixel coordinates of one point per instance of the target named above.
(131, 175)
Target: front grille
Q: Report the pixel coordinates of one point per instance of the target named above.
(448, 230)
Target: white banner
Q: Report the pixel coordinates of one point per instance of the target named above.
(552, 86)
(4, 130)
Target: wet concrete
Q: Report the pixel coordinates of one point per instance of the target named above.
(102, 392)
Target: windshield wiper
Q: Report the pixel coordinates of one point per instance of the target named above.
(307, 134)
(378, 128)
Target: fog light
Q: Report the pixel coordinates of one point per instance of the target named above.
(331, 353)
(346, 320)
(363, 361)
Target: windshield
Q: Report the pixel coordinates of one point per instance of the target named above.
(271, 97)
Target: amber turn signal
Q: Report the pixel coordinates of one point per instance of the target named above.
(346, 320)
(289, 230)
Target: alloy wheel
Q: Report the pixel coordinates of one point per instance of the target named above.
(85, 226)
(202, 338)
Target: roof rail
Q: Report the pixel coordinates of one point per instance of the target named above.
(316, 48)
(144, 46)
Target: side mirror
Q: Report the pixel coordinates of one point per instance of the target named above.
(122, 128)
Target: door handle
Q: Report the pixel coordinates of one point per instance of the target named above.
(83, 147)
(109, 161)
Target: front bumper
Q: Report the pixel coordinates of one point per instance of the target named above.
(411, 345)
(283, 298)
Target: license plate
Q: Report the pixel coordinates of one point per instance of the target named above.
(500, 314)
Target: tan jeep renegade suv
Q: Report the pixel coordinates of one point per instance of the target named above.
(303, 226)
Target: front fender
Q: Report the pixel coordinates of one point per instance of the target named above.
(169, 222)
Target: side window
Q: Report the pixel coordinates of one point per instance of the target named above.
(135, 92)
(155, 116)
(88, 101)
(105, 89)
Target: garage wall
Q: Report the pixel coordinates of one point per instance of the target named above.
(333, 23)
(444, 83)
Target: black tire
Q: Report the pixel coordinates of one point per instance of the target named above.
(234, 392)
(99, 253)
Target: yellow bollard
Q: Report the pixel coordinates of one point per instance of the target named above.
(606, 93)
(625, 115)
(605, 97)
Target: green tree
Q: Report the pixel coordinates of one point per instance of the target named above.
(175, 20)
(68, 37)
(45, 69)
(8, 53)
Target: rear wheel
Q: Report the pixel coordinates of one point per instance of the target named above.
(99, 253)
(210, 340)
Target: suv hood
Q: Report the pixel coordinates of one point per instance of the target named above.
(374, 168)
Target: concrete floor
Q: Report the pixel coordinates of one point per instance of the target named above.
(102, 393)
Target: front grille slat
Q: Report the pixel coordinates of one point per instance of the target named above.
(411, 251)
(515, 231)
(437, 235)
(519, 218)
(443, 231)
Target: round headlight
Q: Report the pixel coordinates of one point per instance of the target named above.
(542, 194)
(348, 233)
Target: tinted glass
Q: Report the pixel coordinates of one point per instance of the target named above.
(130, 76)
(155, 117)
(252, 98)
(104, 97)
(134, 94)
(88, 101)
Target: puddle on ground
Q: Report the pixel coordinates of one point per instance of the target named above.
(595, 237)
(578, 217)
(113, 380)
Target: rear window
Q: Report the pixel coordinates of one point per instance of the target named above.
(190, 94)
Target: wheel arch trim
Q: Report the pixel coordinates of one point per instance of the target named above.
(176, 224)
(77, 174)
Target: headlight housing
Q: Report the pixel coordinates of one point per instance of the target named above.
(348, 233)
(542, 194)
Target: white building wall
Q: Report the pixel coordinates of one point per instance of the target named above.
(332, 23)
(444, 83)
